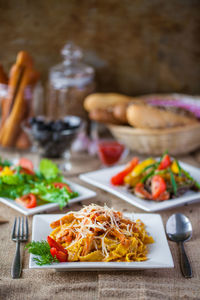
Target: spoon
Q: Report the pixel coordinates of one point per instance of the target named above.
(179, 230)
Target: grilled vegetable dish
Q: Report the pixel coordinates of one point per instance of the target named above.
(29, 187)
(156, 180)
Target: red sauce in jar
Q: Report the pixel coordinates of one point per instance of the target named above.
(110, 152)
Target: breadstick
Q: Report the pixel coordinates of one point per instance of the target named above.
(10, 128)
(16, 73)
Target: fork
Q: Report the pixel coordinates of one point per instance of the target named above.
(18, 236)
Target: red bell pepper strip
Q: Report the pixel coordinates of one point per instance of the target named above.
(158, 186)
(53, 244)
(118, 179)
(165, 162)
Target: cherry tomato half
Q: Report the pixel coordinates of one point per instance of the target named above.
(28, 201)
(158, 186)
(27, 171)
(61, 256)
(26, 165)
(60, 185)
(165, 162)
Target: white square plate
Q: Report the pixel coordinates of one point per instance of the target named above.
(83, 192)
(159, 255)
(101, 178)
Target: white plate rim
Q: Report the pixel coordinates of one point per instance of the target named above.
(91, 266)
(149, 206)
(85, 194)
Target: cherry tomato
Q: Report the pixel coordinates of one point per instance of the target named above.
(158, 186)
(165, 162)
(27, 171)
(60, 185)
(53, 251)
(53, 244)
(26, 165)
(61, 256)
(28, 201)
(118, 179)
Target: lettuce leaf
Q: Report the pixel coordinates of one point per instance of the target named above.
(49, 193)
(48, 169)
(12, 179)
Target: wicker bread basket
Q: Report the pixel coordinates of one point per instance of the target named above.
(177, 140)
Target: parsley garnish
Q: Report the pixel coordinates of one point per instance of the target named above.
(42, 249)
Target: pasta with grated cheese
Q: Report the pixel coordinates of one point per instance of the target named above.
(98, 233)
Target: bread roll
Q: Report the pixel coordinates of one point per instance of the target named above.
(103, 116)
(145, 116)
(119, 112)
(104, 101)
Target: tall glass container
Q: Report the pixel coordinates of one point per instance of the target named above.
(69, 83)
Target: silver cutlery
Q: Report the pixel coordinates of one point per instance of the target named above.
(19, 234)
(179, 230)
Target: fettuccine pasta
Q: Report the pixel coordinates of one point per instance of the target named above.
(98, 233)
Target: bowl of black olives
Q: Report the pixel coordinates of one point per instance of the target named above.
(53, 138)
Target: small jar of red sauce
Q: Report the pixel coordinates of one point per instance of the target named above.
(110, 152)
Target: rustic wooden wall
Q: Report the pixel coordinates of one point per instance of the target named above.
(137, 46)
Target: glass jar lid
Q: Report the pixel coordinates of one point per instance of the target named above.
(72, 71)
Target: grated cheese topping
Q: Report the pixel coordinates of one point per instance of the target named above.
(86, 222)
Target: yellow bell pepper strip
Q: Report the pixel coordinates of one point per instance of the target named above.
(174, 167)
(139, 168)
(118, 179)
(6, 171)
(132, 180)
(134, 177)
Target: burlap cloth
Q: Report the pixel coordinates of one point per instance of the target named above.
(144, 284)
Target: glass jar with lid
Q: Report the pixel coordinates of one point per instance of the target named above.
(69, 83)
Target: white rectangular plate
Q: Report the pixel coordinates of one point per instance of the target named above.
(83, 192)
(101, 178)
(159, 255)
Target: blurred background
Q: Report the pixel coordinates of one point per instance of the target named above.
(136, 47)
(55, 54)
